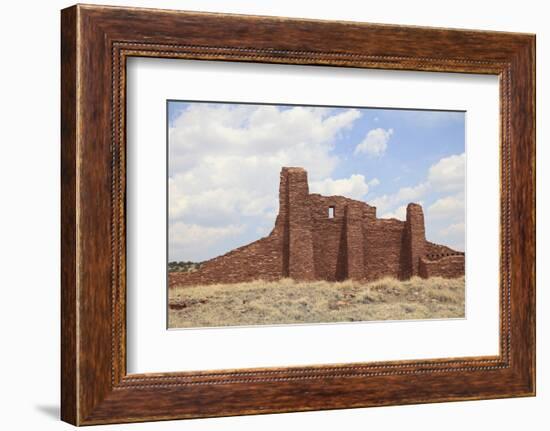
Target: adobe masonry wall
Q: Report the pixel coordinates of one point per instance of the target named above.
(305, 244)
(384, 249)
(448, 266)
(260, 259)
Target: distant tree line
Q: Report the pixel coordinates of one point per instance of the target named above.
(183, 266)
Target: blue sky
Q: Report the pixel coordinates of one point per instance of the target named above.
(224, 163)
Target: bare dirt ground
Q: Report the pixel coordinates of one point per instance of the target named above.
(289, 302)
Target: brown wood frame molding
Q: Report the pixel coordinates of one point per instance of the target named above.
(95, 43)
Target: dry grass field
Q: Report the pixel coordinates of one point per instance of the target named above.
(289, 302)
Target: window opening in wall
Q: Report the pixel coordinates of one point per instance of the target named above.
(330, 212)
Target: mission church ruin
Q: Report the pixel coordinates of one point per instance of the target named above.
(330, 238)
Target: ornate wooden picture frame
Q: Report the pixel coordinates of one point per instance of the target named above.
(96, 41)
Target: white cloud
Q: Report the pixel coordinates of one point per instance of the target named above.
(445, 221)
(374, 182)
(445, 216)
(354, 187)
(453, 229)
(375, 143)
(190, 233)
(454, 235)
(400, 213)
(268, 133)
(193, 241)
(389, 202)
(449, 208)
(449, 173)
(225, 162)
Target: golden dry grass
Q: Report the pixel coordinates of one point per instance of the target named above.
(289, 302)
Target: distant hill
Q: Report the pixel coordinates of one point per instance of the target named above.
(183, 266)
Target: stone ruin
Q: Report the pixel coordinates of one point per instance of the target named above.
(330, 238)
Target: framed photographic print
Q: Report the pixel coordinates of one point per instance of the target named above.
(265, 214)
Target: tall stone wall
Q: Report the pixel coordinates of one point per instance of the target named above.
(337, 241)
(261, 259)
(354, 240)
(300, 238)
(330, 238)
(414, 240)
(383, 248)
(329, 251)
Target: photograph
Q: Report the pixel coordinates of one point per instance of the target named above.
(284, 214)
